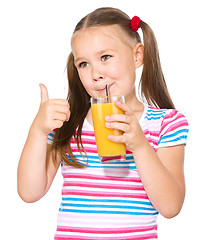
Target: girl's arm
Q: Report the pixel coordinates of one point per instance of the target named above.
(163, 177)
(36, 170)
(161, 172)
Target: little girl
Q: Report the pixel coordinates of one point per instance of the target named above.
(113, 200)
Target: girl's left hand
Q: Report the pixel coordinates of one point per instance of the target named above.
(133, 136)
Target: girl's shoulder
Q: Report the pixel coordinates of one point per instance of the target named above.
(153, 113)
(169, 126)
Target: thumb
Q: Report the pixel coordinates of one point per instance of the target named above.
(44, 93)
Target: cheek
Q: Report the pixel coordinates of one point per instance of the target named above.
(115, 71)
(126, 79)
(124, 68)
(86, 82)
(123, 73)
(83, 75)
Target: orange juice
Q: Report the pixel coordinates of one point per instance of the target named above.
(106, 148)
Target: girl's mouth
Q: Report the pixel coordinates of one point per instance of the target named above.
(104, 89)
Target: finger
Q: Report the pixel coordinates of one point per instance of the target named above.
(119, 126)
(62, 109)
(60, 117)
(123, 106)
(58, 124)
(117, 118)
(117, 139)
(60, 102)
(44, 93)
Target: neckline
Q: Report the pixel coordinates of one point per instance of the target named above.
(140, 120)
(144, 113)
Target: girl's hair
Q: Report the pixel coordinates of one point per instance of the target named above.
(152, 83)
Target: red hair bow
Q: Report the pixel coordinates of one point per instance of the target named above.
(135, 21)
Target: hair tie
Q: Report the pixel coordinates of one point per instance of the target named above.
(135, 21)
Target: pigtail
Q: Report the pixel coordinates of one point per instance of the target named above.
(152, 83)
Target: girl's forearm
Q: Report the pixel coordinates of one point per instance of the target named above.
(36, 170)
(32, 175)
(163, 189)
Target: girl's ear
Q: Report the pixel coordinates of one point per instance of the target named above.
(139, 54)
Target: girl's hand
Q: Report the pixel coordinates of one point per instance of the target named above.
(52, 113)
(133, 136)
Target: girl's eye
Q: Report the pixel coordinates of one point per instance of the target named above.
(83, 64)
(105, 57)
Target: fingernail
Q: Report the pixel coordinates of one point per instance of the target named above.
(107, 124)
(109, 137)
(107, 118)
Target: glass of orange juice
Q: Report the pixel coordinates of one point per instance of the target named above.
(107, 150)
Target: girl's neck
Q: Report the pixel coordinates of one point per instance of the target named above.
(136, 106)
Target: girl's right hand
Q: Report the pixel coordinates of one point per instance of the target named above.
(52, 113)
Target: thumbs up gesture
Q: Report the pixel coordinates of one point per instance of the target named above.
(44, 93)
(52, 112)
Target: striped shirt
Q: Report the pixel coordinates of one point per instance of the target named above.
(108, 200)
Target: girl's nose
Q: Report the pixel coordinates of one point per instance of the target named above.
(97, 74)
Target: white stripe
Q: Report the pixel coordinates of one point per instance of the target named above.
(102, 220)
(106, 235)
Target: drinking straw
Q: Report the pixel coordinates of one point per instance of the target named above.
(107, 96)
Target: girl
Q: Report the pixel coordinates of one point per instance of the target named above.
(118, 200)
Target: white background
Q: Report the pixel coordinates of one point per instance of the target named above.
(34, 45)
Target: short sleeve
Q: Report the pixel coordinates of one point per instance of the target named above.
(50, 137)
(174, 129)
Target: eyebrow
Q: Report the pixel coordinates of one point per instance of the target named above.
(79, 59)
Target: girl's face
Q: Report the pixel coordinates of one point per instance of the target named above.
(102, 56)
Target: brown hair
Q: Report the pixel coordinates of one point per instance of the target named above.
(152, 83)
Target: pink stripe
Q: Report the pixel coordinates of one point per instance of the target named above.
(171, 114)
(85, 141)
(150, 140)
(87, 133)
(176, 126)
(92, 150)
(150, 107)
(173, 127)
(111, 158)
(165, 123)
(103, 185)
(71, 237)
(152, 133)
(154, 148)
(104, 194)
(106, 230)
(96, 177)
(87, 149)
(128, 152)
(178, 118)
